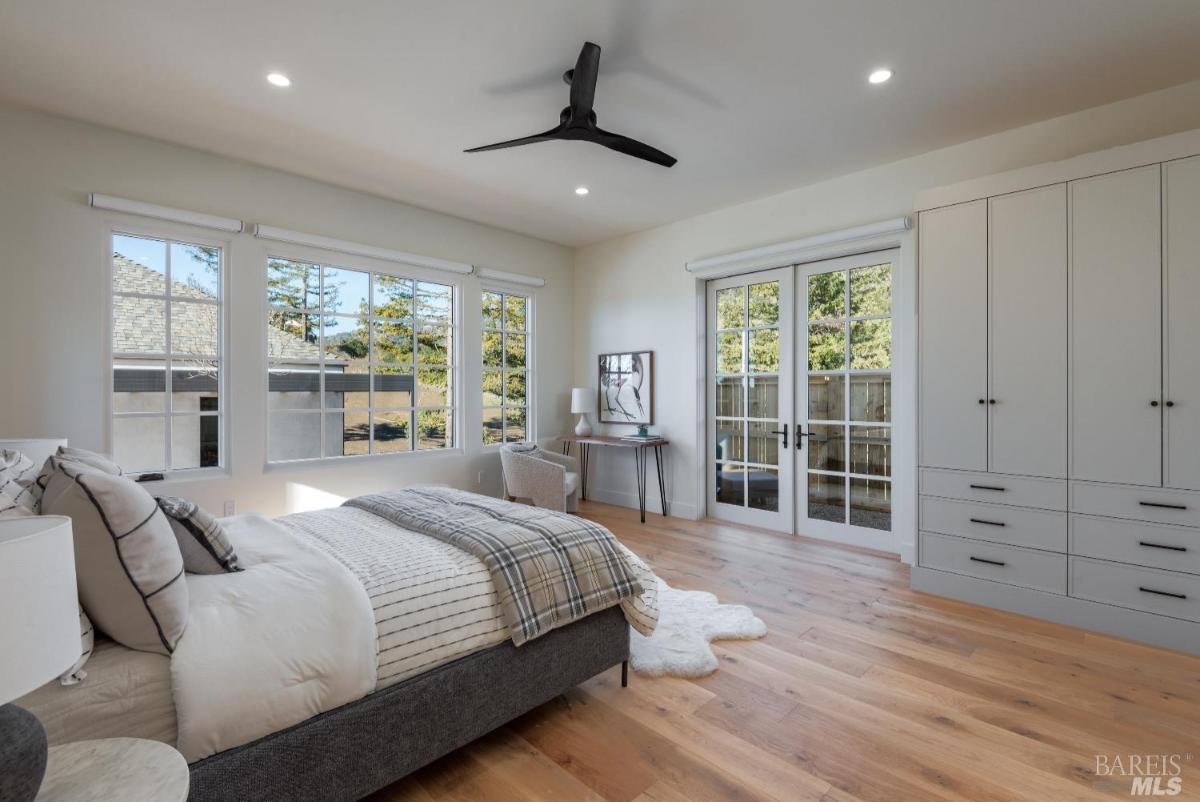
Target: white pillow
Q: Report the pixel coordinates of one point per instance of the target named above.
(127, 562)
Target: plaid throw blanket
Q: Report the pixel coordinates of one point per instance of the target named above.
(549, 568)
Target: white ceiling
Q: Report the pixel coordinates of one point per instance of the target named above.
(753, 97)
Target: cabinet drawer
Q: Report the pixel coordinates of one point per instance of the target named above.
(1175, 548)
(1137, 503)
(1015, 526)
(1039, 570)
(1147, 589)
(1021, 491)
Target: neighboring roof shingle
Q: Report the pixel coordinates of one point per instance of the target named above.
(139, 324)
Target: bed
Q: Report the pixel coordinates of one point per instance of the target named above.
(280, 692)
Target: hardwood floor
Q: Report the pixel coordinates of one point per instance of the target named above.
(862, 689)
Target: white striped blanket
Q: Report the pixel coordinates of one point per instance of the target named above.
(433, 602)
(549, 568)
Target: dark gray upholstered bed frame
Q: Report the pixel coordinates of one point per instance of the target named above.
(356, 749)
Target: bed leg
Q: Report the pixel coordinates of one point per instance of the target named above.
(625, 674)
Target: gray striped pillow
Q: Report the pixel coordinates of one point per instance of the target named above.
(18, 480)
(202, 540)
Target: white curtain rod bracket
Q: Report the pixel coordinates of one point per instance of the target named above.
(794, 251)
(487, 273)
(358, 249)
(174, 215)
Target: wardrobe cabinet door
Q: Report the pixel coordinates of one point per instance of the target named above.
(1027, 278)
(1181, 255)
(953, 336)
(1116, 328)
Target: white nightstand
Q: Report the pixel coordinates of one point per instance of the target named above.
(129, 769)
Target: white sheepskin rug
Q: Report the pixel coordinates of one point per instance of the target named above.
(688, 620)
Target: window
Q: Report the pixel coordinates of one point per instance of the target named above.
(166, 354)
(359, 362)
(506, 371)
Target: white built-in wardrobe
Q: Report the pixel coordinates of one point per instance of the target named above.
(1059, 392)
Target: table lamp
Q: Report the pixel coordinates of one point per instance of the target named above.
(581, 404)
(39, 638)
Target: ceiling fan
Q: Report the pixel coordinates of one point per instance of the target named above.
(578, 121)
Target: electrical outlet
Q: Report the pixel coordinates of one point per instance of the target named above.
(229, 507)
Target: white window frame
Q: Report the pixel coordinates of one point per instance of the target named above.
(338, 260)
(186, 235)
(530, 360)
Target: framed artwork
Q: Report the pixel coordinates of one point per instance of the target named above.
(627, 388)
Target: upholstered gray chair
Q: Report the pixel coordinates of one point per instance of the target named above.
(544, 479)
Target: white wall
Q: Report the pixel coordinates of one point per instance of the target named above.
(55, 284)
(632, 292)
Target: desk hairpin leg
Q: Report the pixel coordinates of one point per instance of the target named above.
(625, 674)
(662, 483)
(585, 451)
(641, 461)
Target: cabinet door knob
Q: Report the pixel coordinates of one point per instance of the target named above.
(1153, 403)
(983, 400)
(1170, 403)
(991, 400)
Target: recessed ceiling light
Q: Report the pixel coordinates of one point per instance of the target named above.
(582, 190)
(880, 76)
(279, 79)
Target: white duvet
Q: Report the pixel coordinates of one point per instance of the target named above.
(291, 636)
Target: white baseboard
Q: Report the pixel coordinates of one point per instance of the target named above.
(623, 498)
(883, 541)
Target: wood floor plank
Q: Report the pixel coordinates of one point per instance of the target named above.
(862, 691)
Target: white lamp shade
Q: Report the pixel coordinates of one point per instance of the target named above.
(581, 400)
(39, 603)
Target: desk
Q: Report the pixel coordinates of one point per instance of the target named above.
(641, 461)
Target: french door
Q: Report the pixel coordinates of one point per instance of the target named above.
(750, 369)
(800, 399)
(844, 399)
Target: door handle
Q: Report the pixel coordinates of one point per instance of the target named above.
(800, 435)
(988, 562)
(783, 432)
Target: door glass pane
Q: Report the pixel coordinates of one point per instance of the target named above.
(871, 290)
(871, 397)
(434, 427)
(347, 433)
(729, 396)
(871, 503)
(763, 486)
(827, 497)
(731, 308)
(731, 440)
(764, 304)
(393, 387)
(731, 484)
(764, 351)
(826, 346)
(764, 396)
(871, 450)
(826, 397)
(763, 444)
(729, 352)
(827, 447)
(827, 296)
(871, 344)
(293, 435)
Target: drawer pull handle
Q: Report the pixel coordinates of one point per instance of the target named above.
(1161, 546)
(989, 562)
(987, 487)
(987, 523)
(1159, 592)
(1162, 505)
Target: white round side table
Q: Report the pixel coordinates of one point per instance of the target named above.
(129, 769)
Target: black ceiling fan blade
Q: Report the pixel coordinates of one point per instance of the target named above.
(630, 147)
(545, 136)
(583, 78)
